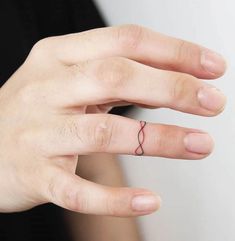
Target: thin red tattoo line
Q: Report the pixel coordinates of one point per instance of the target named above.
(139, 151)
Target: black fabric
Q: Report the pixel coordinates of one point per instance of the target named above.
(42, 223)
(22, 24)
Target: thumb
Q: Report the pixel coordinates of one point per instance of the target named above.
(76, 194)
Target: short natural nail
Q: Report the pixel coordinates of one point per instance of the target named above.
(146, 203)
(211, 98)
(200, 143)
(213, 62)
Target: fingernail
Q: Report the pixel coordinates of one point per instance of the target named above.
(200, 143)
(146, 203)
(211, 98)
(213, 62)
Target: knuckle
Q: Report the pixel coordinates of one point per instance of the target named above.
(129, 36)
(74, 200)
(114, 73)
(76, 70)
(70, 200)
(181, 52)
(179, 88)
(116, 203)
(42, 47)
(65, 193)
(42, 44)
(169, 141)
(101, 133)
(114, 207)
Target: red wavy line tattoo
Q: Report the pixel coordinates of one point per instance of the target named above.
(139, 151)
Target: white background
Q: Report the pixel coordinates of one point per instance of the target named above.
(198, 196)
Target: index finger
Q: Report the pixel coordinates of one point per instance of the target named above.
(142, 45)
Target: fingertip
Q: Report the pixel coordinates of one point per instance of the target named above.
(146, 203)
(200, 143)
(211, 99)
(214, 64)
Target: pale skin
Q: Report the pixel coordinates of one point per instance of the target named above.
(104, 169)
(54, 110)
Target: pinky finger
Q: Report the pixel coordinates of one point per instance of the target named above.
(76, 194)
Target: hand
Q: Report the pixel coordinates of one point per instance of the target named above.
(54, 109)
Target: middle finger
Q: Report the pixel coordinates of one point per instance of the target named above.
(120, 79)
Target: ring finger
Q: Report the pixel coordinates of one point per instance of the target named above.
(107, 133)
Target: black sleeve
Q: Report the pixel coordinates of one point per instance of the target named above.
(22, 24)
